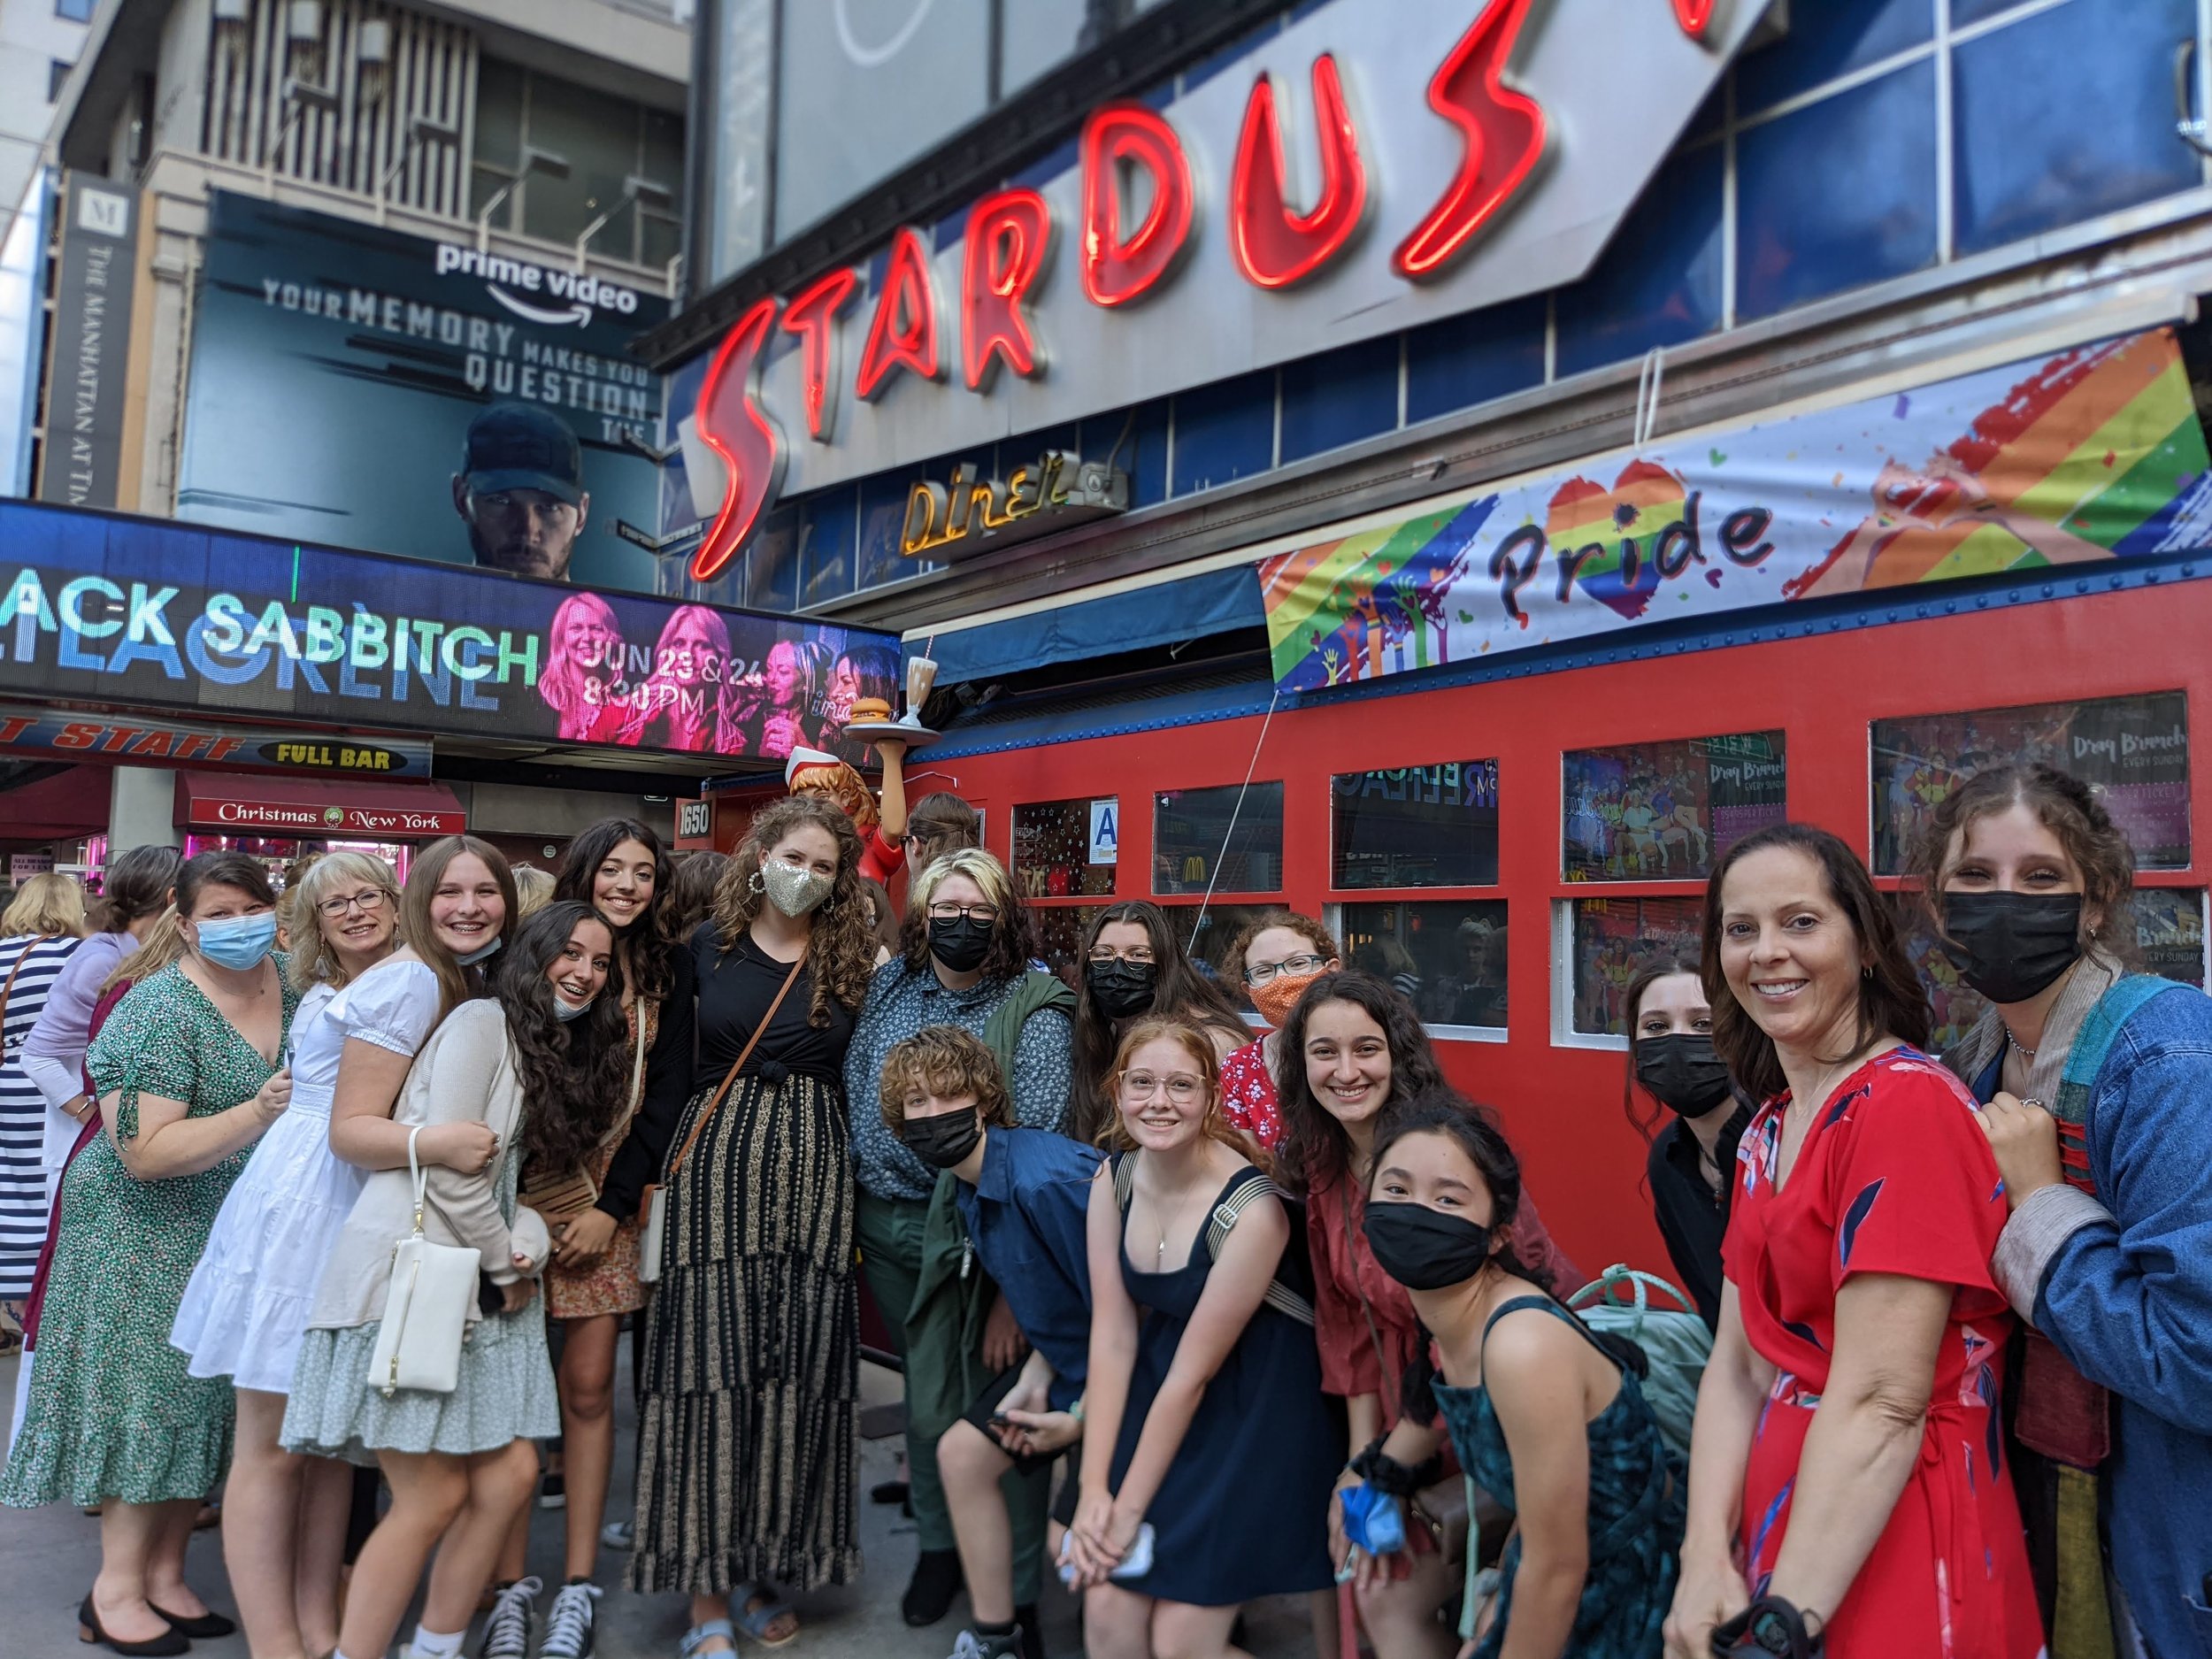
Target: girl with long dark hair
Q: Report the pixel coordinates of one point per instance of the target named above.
(1353, 1049)
(537, 1062)
(1543, 1416)
(1692, 1121)
(1134, 968)
(746, 1449)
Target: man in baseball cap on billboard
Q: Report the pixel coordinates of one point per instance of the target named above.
(520, 490)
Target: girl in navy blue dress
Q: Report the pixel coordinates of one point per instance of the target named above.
(1204, 1416)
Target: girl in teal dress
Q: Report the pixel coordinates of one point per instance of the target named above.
(1545, 1420)
(189, 1070)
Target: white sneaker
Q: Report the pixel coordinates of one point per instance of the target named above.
(507, 1630)
(568, 1625)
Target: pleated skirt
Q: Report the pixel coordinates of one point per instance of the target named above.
(749, 1396)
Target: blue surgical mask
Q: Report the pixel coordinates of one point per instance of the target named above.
(237, 942)
(480, 952)
(565, 1011)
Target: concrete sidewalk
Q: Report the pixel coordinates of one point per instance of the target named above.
(51, 1555)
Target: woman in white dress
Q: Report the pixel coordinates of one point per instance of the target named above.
(246, 1307)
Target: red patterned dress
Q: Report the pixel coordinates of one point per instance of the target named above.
(1895, 1177)
(1247, 1093)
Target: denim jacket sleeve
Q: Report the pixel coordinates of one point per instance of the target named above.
(2127, 1296)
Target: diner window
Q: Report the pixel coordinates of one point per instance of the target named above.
(1414, 827)
(1608, 942)
(1060, 930)
(1225, 839)
(2133, 751)
(1447, 956)
(2169, 932)
(1066, 849)
(1665, 811)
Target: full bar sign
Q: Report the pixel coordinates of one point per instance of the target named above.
(91, 354)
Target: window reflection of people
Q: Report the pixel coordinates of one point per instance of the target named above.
(520, 491)
(680, 704)
(583, 671)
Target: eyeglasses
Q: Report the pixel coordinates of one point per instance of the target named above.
(1141, 954)
(368, 903)
(1292, 965)
(1182, 1088)
(947, 911)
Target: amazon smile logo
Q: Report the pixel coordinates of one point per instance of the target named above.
(575, 296)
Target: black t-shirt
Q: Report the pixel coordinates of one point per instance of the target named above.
(1692, 1220)
(734, 990)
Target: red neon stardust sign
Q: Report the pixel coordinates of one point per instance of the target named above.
(1010, 237)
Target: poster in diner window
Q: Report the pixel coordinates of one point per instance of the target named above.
(1664, 812)
(1615, 939)
(2133, 751)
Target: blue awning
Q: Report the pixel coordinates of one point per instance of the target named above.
(1222, 693)
(1168, 613)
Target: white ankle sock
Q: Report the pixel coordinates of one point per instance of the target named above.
(429, 1645)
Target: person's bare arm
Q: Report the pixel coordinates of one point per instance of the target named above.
(362, 1132)
(1712, 1590)
(1113, 1357)
(1865, 1436)
(168, 1144)
(1529, 1366)
(891, 799)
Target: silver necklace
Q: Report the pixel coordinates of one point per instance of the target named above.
(2018, 1046)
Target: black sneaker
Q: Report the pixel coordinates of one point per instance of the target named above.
(553, 1495)
(568, 1623)
(1032, 1631)
(507, 1632)
(930, 1593)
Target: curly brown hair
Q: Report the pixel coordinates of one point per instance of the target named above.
(648, 943)
(575, 1074)
(2067, 807)
(841, 952)
(1315, 934)
(945, 1061)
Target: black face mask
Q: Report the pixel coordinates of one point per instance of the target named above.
(1424, 1249)
(960, 942)
(940, 1142)
(1121, 988)
(1682, 1071)
(2010, 946)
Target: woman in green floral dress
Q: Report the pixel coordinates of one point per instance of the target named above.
(189, 1070)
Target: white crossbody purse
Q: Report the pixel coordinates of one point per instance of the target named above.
(426, 1308)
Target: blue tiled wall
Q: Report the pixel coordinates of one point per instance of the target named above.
(2059, 113)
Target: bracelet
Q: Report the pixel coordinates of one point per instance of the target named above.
(1391, 1478)
(1773, 1626)
(1075, 1409)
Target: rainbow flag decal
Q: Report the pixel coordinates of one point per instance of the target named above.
(2091, 455)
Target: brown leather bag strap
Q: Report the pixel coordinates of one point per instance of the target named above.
(8, 984)
(730, 1077)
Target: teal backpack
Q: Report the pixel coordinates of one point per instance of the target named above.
(1675, 1344)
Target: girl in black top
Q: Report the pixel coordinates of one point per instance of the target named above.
(1698, 1117)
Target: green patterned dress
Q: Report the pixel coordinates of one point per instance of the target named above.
(113, 1413)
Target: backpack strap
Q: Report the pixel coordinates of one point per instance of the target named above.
(1124, 1169)
(1243, 1191)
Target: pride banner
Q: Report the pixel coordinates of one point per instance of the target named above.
(2081, 458)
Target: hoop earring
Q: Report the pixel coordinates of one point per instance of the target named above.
(757, 886)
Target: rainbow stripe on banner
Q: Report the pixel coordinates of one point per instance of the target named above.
(2092, 455)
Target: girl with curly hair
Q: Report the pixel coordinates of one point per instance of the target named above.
(746, 1447)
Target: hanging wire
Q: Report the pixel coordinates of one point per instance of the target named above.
(1649, 380)
(1213, 876)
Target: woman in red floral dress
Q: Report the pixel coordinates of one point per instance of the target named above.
(1847, 1477)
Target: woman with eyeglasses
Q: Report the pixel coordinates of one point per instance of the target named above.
(1133, 967)
(966, 963)
(1280, 956)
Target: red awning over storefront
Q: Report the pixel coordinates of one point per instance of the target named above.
(317, 808)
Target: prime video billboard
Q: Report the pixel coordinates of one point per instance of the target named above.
(360, 387)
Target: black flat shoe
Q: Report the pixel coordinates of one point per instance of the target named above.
(888, 1492)
(207, 1627)
(158, 1647)
(930, 1593)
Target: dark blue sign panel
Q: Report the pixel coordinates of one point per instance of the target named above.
(107, 609)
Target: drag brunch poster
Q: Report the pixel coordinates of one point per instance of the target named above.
(335, 368)
(166, 616)
(2077, 459)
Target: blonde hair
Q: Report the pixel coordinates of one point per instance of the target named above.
(971, 862)
(49, 902)
(1194, 1043)
(836, 781)
(314, 961)
(163, 946)
(534, 890)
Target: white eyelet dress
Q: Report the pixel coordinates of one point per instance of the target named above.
(246, 1308)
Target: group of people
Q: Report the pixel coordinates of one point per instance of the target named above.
(1190, 1315)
